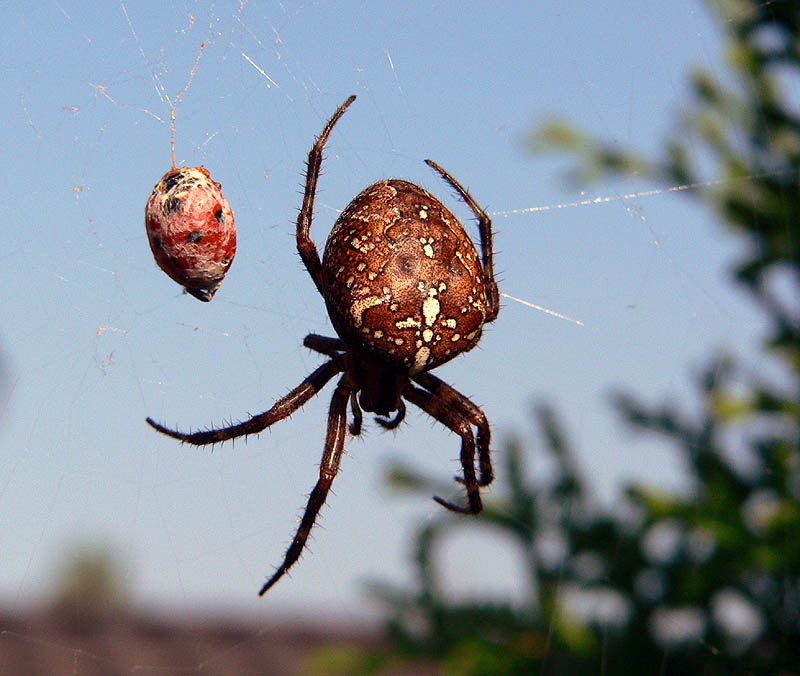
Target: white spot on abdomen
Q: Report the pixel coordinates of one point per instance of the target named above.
(420, 359)
(361, 305)
(430, 310)
(408, 323)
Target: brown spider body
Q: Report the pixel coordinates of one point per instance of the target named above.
(406, 291)
(403, 280)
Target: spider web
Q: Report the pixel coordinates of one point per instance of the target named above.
(95, 337)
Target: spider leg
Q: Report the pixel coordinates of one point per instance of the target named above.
(305, 246)
(324, 345)
(392, 423)
(333, 347)
(282, 408)
(456, 422)
(487, 248)
(454, 399)
(331, 456)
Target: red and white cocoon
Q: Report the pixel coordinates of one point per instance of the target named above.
(191, 230)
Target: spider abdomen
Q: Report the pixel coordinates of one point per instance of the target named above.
(403, 279)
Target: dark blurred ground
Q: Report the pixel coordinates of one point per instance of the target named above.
(55, 643)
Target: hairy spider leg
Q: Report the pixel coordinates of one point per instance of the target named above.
(334, 445)
(282, 408)
(455, 400)
(454, 421)
(324, 345)
(331, 457)
(487, 247)
(333, 347)
(305, 246)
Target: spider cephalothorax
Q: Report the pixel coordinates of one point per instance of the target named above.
(406, 291)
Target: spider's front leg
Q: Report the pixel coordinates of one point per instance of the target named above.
(282, 408)
(305, 245)
(331, 457)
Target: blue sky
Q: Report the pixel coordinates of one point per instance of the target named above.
(95, 338)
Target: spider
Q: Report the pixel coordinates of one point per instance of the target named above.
(406, 291)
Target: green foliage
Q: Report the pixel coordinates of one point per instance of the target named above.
(706, 582)
(479, 637)
(674, 569)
